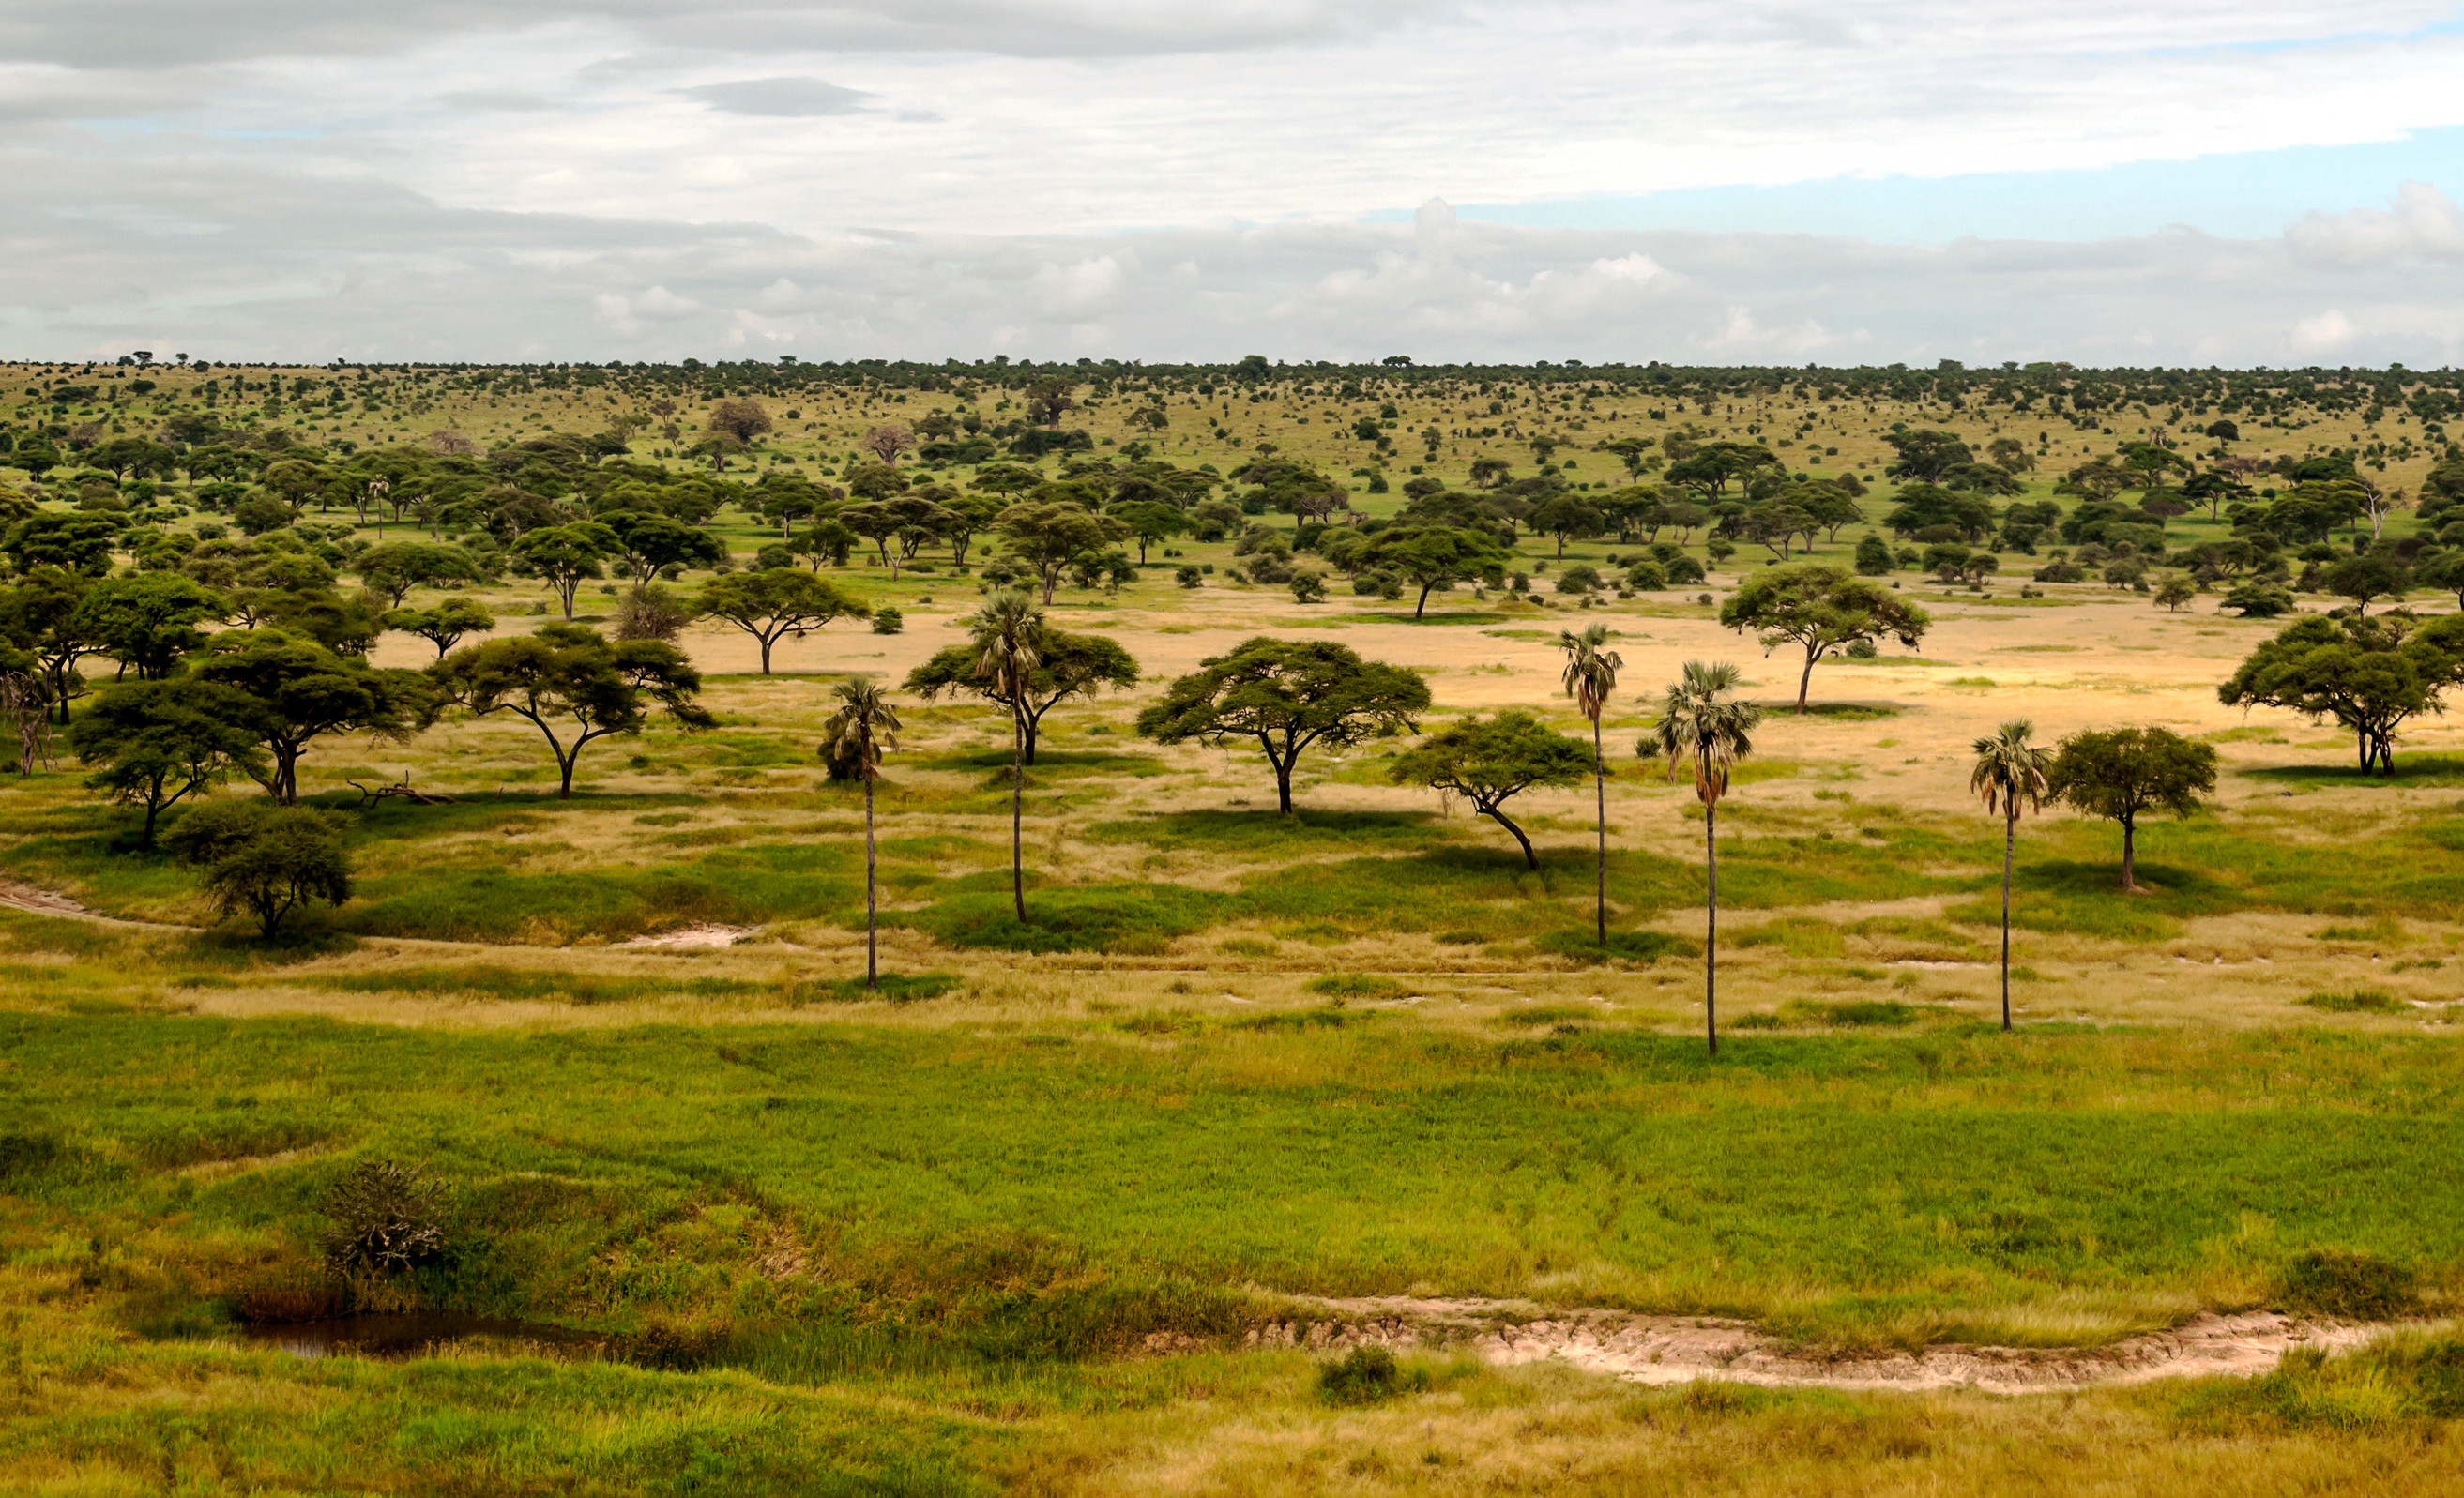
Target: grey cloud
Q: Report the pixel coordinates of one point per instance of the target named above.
(789, 99)
(243, 262)
(505, 100)
(164, 33)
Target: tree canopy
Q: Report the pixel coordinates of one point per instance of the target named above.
(2120, 774)
(1066, 665)
(1488, 763)
(573, 686)
(1820, 608)
(1288, 695)
(777, 603)
(2370, 675)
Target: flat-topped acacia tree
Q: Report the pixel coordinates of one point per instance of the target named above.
(1820, 608)
(1066, 665)
(574, 687)
(1287, 694)
(1488, 764)
(777, 603)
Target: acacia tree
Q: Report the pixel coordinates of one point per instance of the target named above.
(1066, 665)
(1703, 727)
(1488, 763)
(160, 742)
(854, 736)
(887, 442)
(775, 603)
(302, 691)
(566, 556)
(1287, 694)
(1819, 608)
(744, 421)
(1431, 557)
(268, 860)
(445, 625)
(1049, 539)
(574, 687)
(2122, 774)
(2370, 675)
(393, 568)
(2011, 775)
(148, 622)
(1591, 674)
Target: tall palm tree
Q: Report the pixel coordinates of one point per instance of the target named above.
(1590, 675)
(857, 734)
(1009, 633)
(1703, 724)
(2010, 775)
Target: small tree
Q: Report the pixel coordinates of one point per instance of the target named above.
(566, 556)
(1704, 728)
(445, 625)
(160, 742)
(1488, 763)
(1050, 537)
(2370, 675)
(1591, 674)
(887, 442)
(2362, 579)
(1286, 694)
(265, 859)
(2174, 592)
(573, 686)
(2011, 776)
(1431, 557)
(2121, 774)
(1819, 608)
(856, 734)
(393, 568)
(1066, 665)
(744, 421)
(775, 603)
(148, 622)
(302, 691)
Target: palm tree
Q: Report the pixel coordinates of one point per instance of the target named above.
(1700, 723)
(2010, 775)
(1008, 634)
(864, 725)
(1590, 675)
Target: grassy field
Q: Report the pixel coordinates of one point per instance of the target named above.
(1008, 1226)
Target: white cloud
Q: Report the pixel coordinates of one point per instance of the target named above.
(2323, 334)
(2423, 224)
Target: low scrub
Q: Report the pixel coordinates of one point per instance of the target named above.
(1622, 946)
(2349, 1287)
(2356, 1001)
(1368, 1376)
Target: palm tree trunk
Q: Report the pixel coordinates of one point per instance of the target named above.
(2010, 842)
(1017, 789)
(1600, 788)
(1712, 928)
(871, 929)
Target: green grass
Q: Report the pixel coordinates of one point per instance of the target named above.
(2358, 1001)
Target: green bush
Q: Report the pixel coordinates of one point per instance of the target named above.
(1356, 986)
(1368, 1376)
(2358, 1001)
(1623, 946)
(2349, 1287)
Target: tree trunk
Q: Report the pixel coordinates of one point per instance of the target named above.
(1017, 792)
(1530, 859)
(765, 653)
(1804, 680)
(1422, 607)
(2009, 844)
(1600, 789)
(1033, 729)
(2129, 856)
(1711, 926)
(565, 764)
(871, 938)
(1283, 784)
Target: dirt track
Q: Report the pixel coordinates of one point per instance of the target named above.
(1662, 1350)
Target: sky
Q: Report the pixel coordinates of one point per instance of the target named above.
(2261, 183)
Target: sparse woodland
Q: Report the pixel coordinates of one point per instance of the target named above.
(910, 910)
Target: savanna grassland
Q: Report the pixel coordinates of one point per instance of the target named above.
(1013, 1220)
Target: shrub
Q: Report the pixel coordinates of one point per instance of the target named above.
(1356, 986)
(887, 621)
(652, 612)
(1309, 587)
(384, 1218)
(1368, 1376)
(263, 859)
(2372, 1001)
(1645, 578)
(1581, 577)
(2350, 1287)
(1189, 577)
(1683, 569)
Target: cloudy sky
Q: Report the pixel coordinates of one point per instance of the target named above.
(2266, 181)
